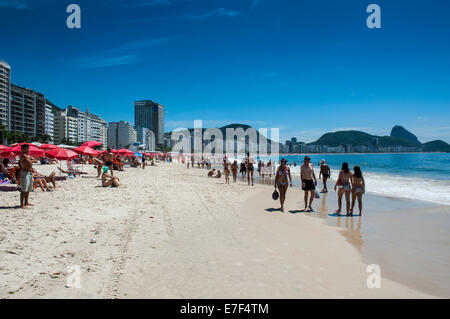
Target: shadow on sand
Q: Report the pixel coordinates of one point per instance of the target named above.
(9, 188)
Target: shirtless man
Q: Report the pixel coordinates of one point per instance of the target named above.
(26, 176)
(108, 160)
(325, 172)
(249, 162)
(308, 185)
(226, 169)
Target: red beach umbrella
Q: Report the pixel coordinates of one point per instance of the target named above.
(20, 144)
(85, 150)
(61, 154)
(92, 144)
(16, 151)
(123, 151)
(48, 147)
(2, 147)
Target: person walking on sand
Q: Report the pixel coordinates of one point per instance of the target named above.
(26, 176)
(243, 170)
(358, 189)
(325, 172)
(344, 183)
(234, 169)
(226, 170)
(281, 181)
(308, 185)
(249, 162)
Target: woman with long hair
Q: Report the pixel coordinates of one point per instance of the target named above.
(281, 181)
(344, 182)
(358, 189)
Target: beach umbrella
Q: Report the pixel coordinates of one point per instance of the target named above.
(2, 147)
(65, 146)
(122, 151)
(85, 150)
(138, 154)
(48, 147)
(92, 144)
(20, 144)
(17, 151)
(61, 154)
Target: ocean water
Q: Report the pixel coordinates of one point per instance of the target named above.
(420, 176)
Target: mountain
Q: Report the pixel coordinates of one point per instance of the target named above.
(399, 132)
(436, 146)
(344, 138)
(361, 138)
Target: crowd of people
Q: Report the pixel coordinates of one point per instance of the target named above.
(27, 178)
(350, 184)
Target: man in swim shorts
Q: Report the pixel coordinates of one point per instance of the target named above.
(325, 172)
(308, 185)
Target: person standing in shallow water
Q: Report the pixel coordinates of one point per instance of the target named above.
(281, 181)
(344, 182)
(358, 189)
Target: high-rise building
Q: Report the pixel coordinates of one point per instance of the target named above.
(121, 135)
(5, 93)
(146, 138)
(66, 127)
(90, 127)
(150, 114)
(23, 112)
(49, 128)
(79, 127)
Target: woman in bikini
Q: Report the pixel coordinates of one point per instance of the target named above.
(358, 189)
(344, 182)
(226, 169)
(249, 161)
(234, 169)
(281, 181)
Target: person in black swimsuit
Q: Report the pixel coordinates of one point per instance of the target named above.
(325, 172)
(249, 161)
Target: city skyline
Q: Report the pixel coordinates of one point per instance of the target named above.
(299, 66)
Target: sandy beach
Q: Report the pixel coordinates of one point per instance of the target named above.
(169, 232)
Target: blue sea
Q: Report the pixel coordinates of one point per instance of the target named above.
(420, 176)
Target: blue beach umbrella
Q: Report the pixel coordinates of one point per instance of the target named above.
(138, 154)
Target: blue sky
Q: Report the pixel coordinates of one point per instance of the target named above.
(307, 67)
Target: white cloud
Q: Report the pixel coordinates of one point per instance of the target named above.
(221, 12)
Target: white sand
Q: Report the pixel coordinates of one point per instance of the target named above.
(169, 232)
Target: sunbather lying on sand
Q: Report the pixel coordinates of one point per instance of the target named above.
(49, 179)
(211, 173)
(40, 181)
(70, 172)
